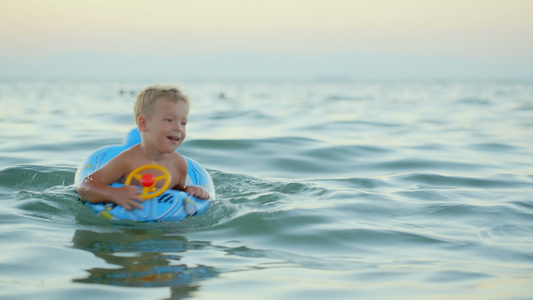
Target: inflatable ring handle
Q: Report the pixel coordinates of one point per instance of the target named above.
(149, 190)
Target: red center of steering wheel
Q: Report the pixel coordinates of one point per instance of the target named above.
(147, 180)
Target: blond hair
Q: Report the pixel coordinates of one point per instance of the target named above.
(147, 98)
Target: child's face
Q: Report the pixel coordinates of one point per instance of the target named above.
(165, 129)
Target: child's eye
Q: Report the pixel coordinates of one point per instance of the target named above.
(183, 123)
(168, 120)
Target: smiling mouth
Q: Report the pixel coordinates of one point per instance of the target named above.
(173, 138)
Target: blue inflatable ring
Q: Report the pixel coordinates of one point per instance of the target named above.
(172, 205)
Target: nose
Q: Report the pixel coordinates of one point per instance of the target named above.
(180, 127)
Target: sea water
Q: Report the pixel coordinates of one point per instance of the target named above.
(326, 190)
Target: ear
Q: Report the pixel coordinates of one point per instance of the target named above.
(141, 121)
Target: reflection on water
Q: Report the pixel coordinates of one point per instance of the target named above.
(143, 258)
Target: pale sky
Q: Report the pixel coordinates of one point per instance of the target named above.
(248, 38)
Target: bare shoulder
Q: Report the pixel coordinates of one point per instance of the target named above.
(118, 167)
(131, 153)
(179, 162)
(125, 159)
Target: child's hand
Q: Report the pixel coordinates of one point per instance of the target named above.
(128, 197)
(197, 192)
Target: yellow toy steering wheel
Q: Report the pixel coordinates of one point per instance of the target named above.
(148, 181)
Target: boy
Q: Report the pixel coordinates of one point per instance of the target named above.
(161, 116)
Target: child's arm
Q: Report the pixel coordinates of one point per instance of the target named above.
(95, 187)
(192, 190)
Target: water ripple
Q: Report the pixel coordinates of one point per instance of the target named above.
(436, 180)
